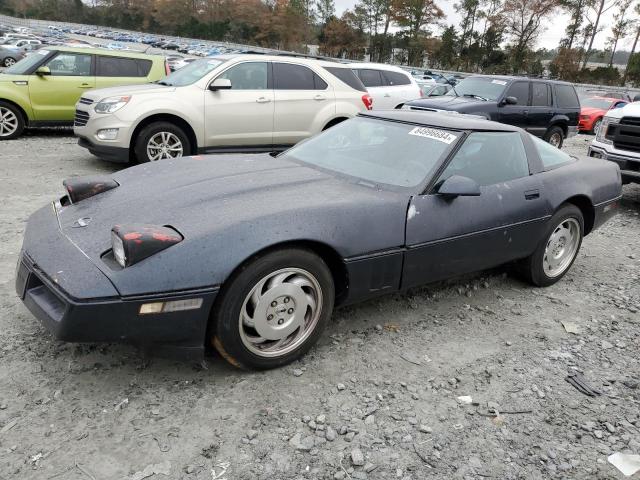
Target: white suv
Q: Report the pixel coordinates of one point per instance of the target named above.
(389, 86)
(227, 103)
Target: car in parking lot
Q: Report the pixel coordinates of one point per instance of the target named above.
(545, 108)
(9, 56)
(250, 253)
(593, 109)
(389, 86)
(43, 88)
(220, 104)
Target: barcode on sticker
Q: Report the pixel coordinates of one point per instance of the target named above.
(434, 134)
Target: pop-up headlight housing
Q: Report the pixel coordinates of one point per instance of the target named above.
(81, 188)
(135, 242)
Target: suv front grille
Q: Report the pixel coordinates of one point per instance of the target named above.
(85, 101)
(626, 134)
(81, 118)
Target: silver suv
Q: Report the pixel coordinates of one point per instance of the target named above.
(227, 103)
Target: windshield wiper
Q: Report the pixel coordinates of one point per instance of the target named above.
(471, 95)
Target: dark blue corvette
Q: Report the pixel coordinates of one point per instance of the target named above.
(251, 253)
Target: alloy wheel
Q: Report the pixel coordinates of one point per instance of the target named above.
(562, 247)
(555, 139)
(164, 145)
(8, 122)
(280, 312)
(9, 62)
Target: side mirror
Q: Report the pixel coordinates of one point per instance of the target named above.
(220, 84)
(510, 101)
(636, 98)
(43, 71)
(458, 186)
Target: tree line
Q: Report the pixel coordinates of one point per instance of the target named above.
(492, 36)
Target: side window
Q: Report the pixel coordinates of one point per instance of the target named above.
(395, 78)
(144, 67)
(70, 65)
(519, 90)
(566, 97)
(540, 95)
(107, 66)
(287, 76)
(370, 78)
(247, 76)
(489, 158)
(551, 156)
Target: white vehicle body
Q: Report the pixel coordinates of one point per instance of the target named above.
(389, 86)
(618, 140)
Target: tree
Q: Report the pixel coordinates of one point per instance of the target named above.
(524, 22)
(326, 9)
(620, 27)
(635, 44)
(576, 10)
(598, 7)
(414, 16)
(445, 56)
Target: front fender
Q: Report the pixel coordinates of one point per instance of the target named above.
(18, 95)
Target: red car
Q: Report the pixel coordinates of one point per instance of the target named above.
(592, 110)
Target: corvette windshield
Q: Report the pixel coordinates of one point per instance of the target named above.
(481, 87)
(376, 151)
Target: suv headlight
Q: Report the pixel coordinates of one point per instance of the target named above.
(111, 104)
(601, 135)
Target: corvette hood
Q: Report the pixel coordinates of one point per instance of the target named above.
(230, 204)
(445, 102)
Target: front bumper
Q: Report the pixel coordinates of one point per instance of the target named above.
(105, 152)
(76, 302)
(629, 166)
(585, 125)
(86, 126)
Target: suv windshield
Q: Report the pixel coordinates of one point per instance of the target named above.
(483, 87)
(367, 149)
(191, 73)
(25, 65)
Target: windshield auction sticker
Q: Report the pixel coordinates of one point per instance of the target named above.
(434, 134)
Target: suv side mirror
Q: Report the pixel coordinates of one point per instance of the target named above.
(220, 84)
(43, 71)
(458, 186)
(510, 101)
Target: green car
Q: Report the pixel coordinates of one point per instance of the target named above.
(42, 89)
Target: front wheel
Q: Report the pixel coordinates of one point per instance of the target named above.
(161, 141)
(273, 309)
(9, 62)
(559, 248)
(596, 126)
(11, 121)
(554, 136)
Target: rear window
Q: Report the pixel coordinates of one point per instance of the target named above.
(347, 76)
(396, 78)
(296, 77)
(540, 95)
(551, 156)
(107, 66)
(566, 97)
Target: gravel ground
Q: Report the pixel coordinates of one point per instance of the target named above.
(377, 397)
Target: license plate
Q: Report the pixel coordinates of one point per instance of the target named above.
(22, 275)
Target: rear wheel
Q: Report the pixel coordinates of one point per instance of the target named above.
(557, 251)
(11, 121)
(161, 141)
(554, 136)
(273, 309)
(9, 62)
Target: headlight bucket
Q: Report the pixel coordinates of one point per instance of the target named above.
(601, 135)
(135, 242)
(111, 104)
(81, 188)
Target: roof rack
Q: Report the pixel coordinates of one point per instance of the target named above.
(293, 54)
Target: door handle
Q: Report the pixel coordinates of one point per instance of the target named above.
(526, 112)
(85, 85)
(531, 194)
(319, 97)
(263, 100)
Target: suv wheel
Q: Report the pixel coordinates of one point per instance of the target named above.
(11, 122)
(554, 136)
(161, 141)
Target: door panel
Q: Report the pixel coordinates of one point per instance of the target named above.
(53, 97)
(540, 112)
(516, 114)
(243, 115)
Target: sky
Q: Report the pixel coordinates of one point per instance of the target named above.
(549, 38)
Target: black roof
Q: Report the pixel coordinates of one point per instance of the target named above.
(454, 121)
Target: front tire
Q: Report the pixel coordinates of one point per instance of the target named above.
(559, 248)
(273, 309)
(554, 136)
(11, 121)
(9, 62)
(596, 126)
(161, 141)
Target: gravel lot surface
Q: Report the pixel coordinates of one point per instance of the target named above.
(377, 397)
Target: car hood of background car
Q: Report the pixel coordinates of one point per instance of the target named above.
(227, 208)
(592, 111)
(445, 102)
(101, 93)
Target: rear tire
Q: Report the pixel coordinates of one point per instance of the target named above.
(9, 62)
(558, 249)
(11, 121)
(161, 141)
(273, 309)
(554, 136)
